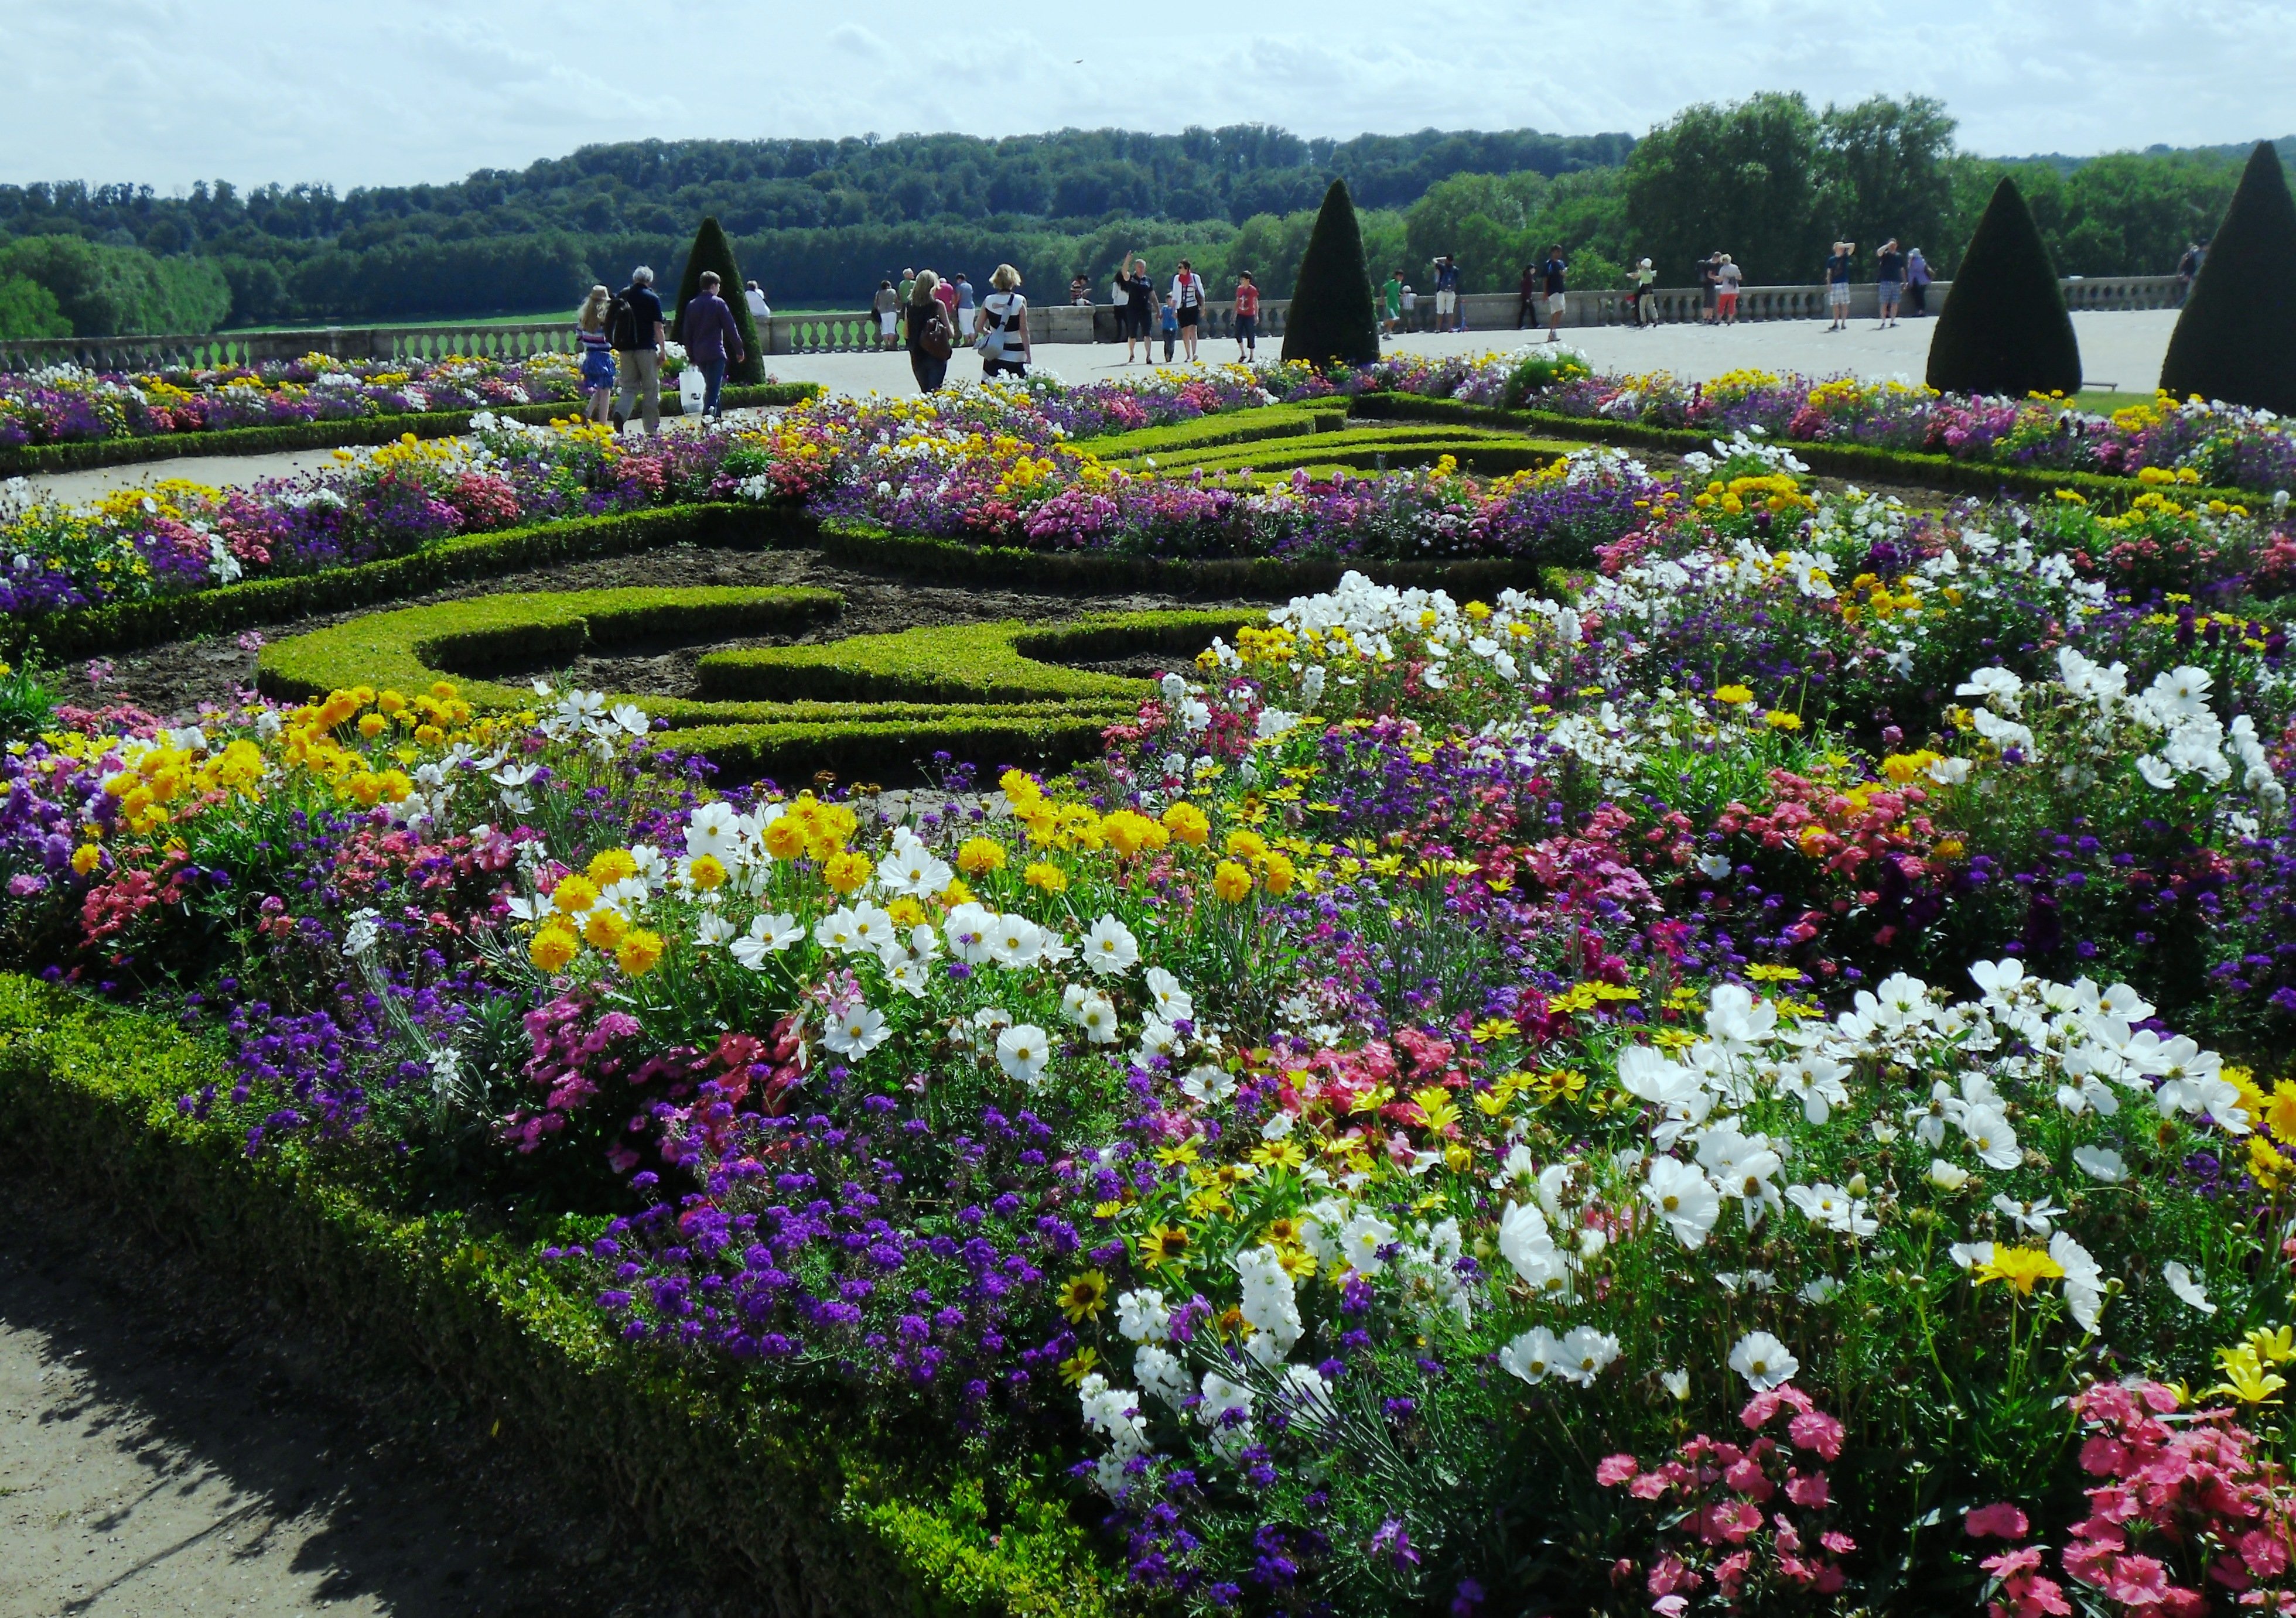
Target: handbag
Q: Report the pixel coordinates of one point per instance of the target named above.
(937, 340)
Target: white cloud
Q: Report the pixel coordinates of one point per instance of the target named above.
(361, 92)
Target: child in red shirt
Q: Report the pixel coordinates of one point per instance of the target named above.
(1247, 317)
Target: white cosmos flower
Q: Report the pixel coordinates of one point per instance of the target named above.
(858, 1031)
(2101, 1162)
(1532, 1355)
(769, 934)
(1947, 1176)
(1015, 940)
(966, 929)
(1584, 1354)
(838, 930)
(714, 829)
(711, 930)
(2084, 1281)
(1831, 1208)
(1097, 1017)
(1763, 1360)
(1683, 1198)
(911, 977)
(1208, 1084)
(2186, 1287)
(1992, 1138)
(1023, 1050)
(631, 718)
(1167, 998)
(2033, 1216)
(1110, 947)
(1676, 1385)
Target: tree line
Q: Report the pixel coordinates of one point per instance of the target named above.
(1771, 180)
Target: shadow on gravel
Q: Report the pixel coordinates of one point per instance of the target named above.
(165, 1449)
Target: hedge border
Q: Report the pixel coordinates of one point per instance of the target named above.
(1942, 472)
(35, 460)
(828, 1517)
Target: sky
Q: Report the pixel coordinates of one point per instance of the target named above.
(354, 92)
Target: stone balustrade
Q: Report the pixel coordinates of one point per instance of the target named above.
(857, 330)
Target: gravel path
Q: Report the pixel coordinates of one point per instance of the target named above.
(166, 1449)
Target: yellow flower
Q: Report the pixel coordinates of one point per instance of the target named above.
(1778, 719)
(1494, 1028)
(1129, 832)
(846, 871)
(609, 866)
(1277, 871)
(1187, 823)
(1164, 1245)
(552, 948)
(1247, 846)
(708, 872)
(574, 895)
(640, 952)
(85, 858)
(1079, 1365)
(2019, 1267)
(1436, 1107)
(980, 856)
(1737, 696)
(1084, 1296)
(785, 840)
(1043, 874)
(2245, 1378)
(603, 926)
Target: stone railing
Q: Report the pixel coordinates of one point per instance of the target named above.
(855, 331)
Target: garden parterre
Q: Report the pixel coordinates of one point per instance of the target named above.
(1752, 1087)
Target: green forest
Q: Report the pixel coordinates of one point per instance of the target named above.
(1771, 180)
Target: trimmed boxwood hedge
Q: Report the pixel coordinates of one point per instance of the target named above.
(821, 1503)
(35, 459)
(1368, 449)
(1943, 472)
(1225, 427)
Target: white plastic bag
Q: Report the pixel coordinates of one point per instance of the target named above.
(692, 388)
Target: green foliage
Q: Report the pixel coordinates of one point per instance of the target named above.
(1743, 179)
(1884, 171)
(1331, 318)
(2003, 328)
(411, 649)
(711, 251)
(2236, 339)
(108, 291)
(1376, 448)
(28, 309)
(328, 435)
(858, 1515)
(2123, 214)
(1229, 426)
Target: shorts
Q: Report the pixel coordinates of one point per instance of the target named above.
(597, 369)
(1246, 328)
(1187, 315)
(1446, 302)
(1889, 291)
(1136, 319)
(1726, 303)
(1837, 294)
(1554, 305)
(890, 321)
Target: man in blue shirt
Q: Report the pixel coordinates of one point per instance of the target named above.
(1448, 316)
(712, 336)
(1552, 270)
(638, 334)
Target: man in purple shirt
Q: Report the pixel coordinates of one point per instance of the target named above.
(710, 332)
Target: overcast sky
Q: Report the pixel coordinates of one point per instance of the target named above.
(362, 92)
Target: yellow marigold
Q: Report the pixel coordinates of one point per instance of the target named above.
(1277, 871)
(1231, 881)
(640, 953)
(1046, 875)
(1778, 719)
(609, 866)
(85, 858)
(390, 702)
(980, 856)
(1247, 844)
(1020, 787)
(373, 725)
(846, 870)
(708, 871)
(604, 927)
(1188, 823)
(552, 947)
(1129, 832)
(573, 895)
(1737, 696)
(956, 893)
(785, 840)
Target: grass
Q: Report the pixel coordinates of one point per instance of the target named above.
(2104, 402)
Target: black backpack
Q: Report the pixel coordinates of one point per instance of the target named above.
(622, 323)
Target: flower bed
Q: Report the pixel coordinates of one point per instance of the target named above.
(1757, 1083)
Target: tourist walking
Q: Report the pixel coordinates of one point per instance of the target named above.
(901, 296)
(931, 333)
(1726, 291)
(1004, 323)
(963, 302)
(1447, 315)
(1140, 312)
(1641, 277)
(1553, 271)
(2187, 268)
(1917, 282)
(1188, 299)
(1838, 264)
(1710, 287)
(639, 336)
(1390, 303)
(1526, 312)
(713, 338)
(597, 351)
(945, 294)
(1247, 317)
(1890, 278)
(887, 305)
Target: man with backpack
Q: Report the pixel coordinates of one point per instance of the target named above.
(636, 326)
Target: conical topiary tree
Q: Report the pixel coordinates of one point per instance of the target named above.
(1331, 316)
(2003, 328)
(712, 251)
(2236, 339)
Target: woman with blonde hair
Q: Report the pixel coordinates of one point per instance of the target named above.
(1003, 324)
(928, 334)
(596, 345)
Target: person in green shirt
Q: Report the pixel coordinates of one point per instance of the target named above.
(907, 290)
(1391, 297)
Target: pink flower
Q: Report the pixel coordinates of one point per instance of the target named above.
(2002, 1521)
(1613, 1470)
(1817, 1430)
(1808, 1492)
